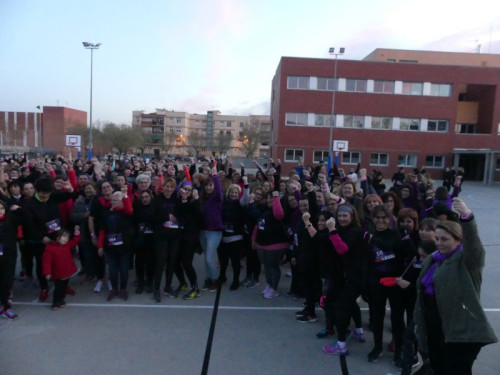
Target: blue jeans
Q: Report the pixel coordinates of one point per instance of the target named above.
(210, 241)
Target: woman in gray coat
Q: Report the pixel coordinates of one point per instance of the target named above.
(451, 323)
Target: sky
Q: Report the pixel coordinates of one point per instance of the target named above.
(200, 55)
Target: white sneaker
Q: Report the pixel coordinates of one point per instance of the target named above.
(98, 286)
(110, 287)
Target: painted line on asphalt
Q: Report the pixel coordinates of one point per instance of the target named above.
(187, 307)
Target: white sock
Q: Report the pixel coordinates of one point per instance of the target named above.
(359, 331)
(341, 344)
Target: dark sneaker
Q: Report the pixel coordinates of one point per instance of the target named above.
(112, 294)
(301, 313)
(307, 319)
(206, 284)
(375, 355)
(139, 289)
(70, 291)
(157, 296)
(212, 286)
(169, 292)
(245, 281)
(44, 294)
(234, 286)
(222, 279)
(324, 333)
(124, 294)
(252, 284)
(181, 289)
(192, 294)
(149, 289)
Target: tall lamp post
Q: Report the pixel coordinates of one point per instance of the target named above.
(335, 88)
(91, 47)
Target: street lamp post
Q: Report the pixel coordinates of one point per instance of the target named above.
(91, 47)
(335, 88)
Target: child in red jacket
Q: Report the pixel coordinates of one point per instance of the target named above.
(58, 264)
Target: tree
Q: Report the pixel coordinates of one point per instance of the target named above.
(122, 138)
(250, 137)
(169, 141)
(196, 141)
(222, 142)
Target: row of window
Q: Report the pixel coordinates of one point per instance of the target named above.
(369, 86)
(377, 159)
(366, 122)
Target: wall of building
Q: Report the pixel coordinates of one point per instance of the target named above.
(20, 131)
(56, 122)
(482, 85)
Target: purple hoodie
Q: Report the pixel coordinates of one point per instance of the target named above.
(212, 208)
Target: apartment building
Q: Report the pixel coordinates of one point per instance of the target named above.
(182, 133)
(395, 108)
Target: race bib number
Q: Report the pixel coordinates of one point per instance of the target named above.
(229, 228)
(115, 239)
(53, 226)
(170, 225)
(380, 256)
(261, 224)
(145, 228)
(417, 265)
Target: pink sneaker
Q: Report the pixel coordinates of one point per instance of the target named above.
(335, 349)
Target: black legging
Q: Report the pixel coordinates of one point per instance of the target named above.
(378, 297)
(252, 260)
(188, 248)
(145, 259)
(7, 270)
(36, 250)
(166, 250)
(230, 250)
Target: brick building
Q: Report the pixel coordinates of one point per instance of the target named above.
(395, 108)
(42, 132)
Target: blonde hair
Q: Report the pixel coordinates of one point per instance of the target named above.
(233, 187)
(451, 227)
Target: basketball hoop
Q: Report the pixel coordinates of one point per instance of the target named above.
(340, 146)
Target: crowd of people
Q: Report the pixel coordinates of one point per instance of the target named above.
(344, 235)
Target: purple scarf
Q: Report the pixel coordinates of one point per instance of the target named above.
(428, 279)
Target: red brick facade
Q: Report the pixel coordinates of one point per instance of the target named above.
(477, 152)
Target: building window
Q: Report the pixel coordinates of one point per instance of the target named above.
(379, 159)
(327, 84)
(292, 154)
(355, 85)
(412, 88)
(228, 124)
(351, 158)
(434, 161)
(242, 124)
(440, 89)
(320, 155)
(383, 87)
(178, 120)
(407, 160)
(465, 128)
(384, 123)
(296, 119)
(498, 164)
(410, 124)
(298, 83)
(437, 126)
(357, 122)
(323, 120)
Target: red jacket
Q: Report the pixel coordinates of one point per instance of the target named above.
(58, 261)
